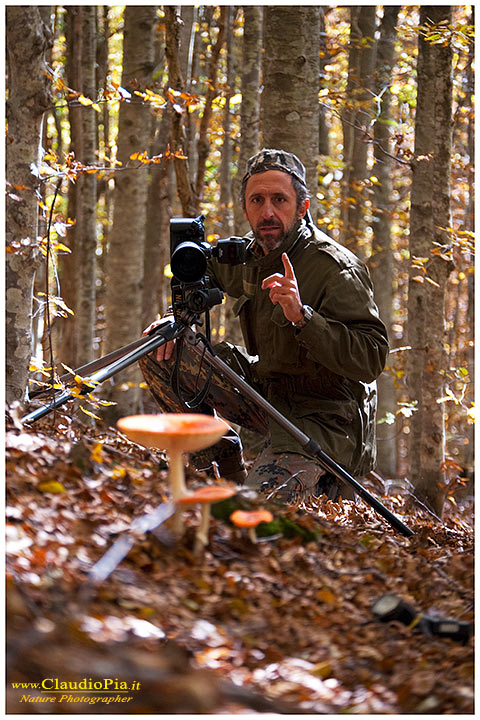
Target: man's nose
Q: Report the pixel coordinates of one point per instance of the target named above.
(267, 211)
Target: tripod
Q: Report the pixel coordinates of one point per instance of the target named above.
(170, 330)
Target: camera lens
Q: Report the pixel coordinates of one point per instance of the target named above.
(188, 262)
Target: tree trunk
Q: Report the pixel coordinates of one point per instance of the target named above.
(157, 240)
(468, 460)
(225, 228)
(356, 119)
(191, 83)
(178, 138)
(188, 14)
(430, 215)
(291, 84)
(187, 61)
(73, 64)
(125, 255)
(203, 141)
(231, 323)
(250, 110)
(104, 191)
(381, 260)
(323, 134)
(27, 40)
(86, 219)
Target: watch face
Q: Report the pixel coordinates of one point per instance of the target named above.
(307, 312)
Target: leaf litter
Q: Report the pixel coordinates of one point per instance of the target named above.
(283, 625)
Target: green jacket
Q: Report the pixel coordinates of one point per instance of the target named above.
(322, 376)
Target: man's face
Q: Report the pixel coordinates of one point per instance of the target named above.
(271, 207)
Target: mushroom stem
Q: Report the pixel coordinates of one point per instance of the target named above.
(201, 538)
(250, 520)
(177, 475)
(205, 497)
(177, 486)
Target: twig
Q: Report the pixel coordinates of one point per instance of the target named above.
(461, 590)
(367, 135)
(47, 300)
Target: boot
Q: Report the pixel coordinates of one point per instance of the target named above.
(227, 453)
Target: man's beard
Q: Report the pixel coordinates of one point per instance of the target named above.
(271, 242)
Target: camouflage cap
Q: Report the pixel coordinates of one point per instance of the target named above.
(275, 160)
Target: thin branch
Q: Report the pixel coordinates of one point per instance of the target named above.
(367, 135)
(47, 297)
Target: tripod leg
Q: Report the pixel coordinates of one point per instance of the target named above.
(169, 331)
(310, 446)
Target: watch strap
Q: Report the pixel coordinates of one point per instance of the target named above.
(307, 313)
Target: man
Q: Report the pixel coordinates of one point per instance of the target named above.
(315, 343)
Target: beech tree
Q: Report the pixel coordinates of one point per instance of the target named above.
(228, 200)
(157, 238)
(381, 261)
(125, 254)
(86, 211)
(178, 139)
(27, 41)
(157, 244)
(291, 84)
(356, 120)
(323, 135)
(203, 142)
(250, 110)
(226, 210)
(430, 254)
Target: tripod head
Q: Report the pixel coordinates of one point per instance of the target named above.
(189, 255)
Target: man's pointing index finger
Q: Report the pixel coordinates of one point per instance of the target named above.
(287, 266)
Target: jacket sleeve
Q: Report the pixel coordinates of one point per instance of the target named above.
(227, 278)
(345, 333)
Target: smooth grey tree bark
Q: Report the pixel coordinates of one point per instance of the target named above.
(226, 211)
(86, 188)
(27, 41)
(250, 109)
(123, 305)
(178, 138)
(381, 260)
(67, 262)
(429, 220)
(356, 119)
(290, 85)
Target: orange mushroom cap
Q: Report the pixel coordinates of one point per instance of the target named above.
(250, 519)
(174, 431)
(207, 494)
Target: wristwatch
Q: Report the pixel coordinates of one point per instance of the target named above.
(307, 313)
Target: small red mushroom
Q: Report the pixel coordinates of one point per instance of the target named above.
(205, 497)
(250, 519)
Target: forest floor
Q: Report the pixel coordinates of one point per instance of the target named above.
(284, 625)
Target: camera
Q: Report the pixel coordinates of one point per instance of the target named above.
(189, 254)
(189, 251)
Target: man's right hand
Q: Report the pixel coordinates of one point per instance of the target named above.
(165, 351)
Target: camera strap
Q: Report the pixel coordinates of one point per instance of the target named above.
(198, 399)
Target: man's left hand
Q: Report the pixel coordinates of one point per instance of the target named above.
(284, 291)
